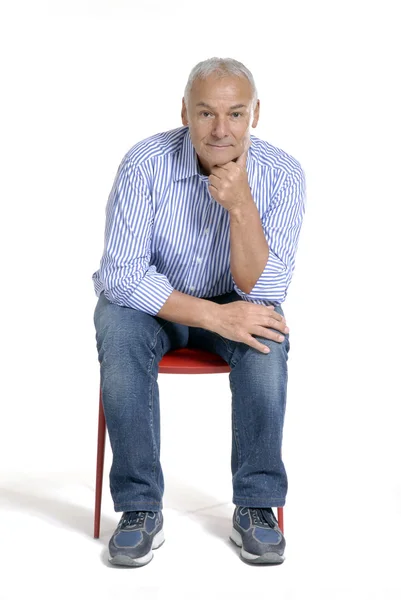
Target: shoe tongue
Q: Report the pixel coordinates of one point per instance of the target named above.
(265, 515)
(134, 518)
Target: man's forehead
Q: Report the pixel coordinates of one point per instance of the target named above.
(233, 107)
(227, 84)
(230, 91)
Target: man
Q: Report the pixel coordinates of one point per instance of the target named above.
(202, 226)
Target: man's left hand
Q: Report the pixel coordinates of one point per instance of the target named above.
(228, 184)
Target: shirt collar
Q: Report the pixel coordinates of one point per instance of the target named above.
(187, 165)
(187, 162)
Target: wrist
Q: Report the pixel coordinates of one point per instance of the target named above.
(212, 316)
(242, 209)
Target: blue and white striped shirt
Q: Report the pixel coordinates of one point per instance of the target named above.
(165, 232)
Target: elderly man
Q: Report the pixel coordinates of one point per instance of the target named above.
(202, 226)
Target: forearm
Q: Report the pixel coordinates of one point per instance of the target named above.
(188, 310)
(249, 250)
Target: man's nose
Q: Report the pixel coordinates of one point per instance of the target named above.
(220, 128)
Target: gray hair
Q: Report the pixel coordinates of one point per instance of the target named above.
(223, 67)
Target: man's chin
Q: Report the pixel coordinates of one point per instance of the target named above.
(210, 158)
(221, 156)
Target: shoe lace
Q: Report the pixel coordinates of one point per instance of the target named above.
(263, 516)
(131, 518)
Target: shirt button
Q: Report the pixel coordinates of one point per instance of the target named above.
(199, 260)
(192, 288)
(207, 230)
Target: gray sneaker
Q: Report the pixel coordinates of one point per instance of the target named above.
(137, 534)
(257, 533)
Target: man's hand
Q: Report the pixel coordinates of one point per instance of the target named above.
(228, 184)
(238, 320)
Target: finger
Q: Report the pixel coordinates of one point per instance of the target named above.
(272, 314)
(257, 345)
(280, 325)
(223, 168)
(269, 334)
(260, 312)
(272, 321)
(217, 172)
(214, 181)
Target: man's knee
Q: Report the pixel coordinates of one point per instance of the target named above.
(278, 350)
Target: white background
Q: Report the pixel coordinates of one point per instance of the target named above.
(82, 81)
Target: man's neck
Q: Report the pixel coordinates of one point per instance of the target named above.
(202, 169)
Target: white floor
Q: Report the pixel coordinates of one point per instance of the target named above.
(340, 546)
(47, 550)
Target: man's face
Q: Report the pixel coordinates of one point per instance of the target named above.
(219, 116)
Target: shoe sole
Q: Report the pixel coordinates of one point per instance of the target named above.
(123, 560)
(268, 558)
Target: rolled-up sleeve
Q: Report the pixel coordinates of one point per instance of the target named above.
(128, 278)
(281, 225)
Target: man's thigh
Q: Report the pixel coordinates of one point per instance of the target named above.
(126, 327)
(213, 342)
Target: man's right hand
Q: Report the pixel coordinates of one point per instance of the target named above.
(239, 320)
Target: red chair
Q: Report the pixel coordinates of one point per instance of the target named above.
(183, 361)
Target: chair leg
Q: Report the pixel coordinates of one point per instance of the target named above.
(101, 438)
(280, 518)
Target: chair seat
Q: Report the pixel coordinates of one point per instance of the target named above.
(192, 361)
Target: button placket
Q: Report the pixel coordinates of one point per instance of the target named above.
(206, 231)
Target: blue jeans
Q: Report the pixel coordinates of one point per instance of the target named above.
(130, 346)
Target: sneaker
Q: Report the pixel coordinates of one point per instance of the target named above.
(137, 534)
(256, 532)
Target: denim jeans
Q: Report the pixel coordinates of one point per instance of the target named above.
(130, 345)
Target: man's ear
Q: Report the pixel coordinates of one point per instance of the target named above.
(256, 114)
(184, 114)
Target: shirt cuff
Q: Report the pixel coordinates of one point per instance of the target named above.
(152, 292)
(271, 287)
(148, 295)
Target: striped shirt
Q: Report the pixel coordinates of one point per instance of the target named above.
(165, 232)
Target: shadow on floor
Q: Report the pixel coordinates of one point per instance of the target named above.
(35, 497)
(212, 514)
(68, 514)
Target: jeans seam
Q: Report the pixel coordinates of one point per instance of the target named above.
(239, 358)
(151, 406)
(236, 438)
(229, 351)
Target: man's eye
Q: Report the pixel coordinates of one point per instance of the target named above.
(236, 114)
(205, 113)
